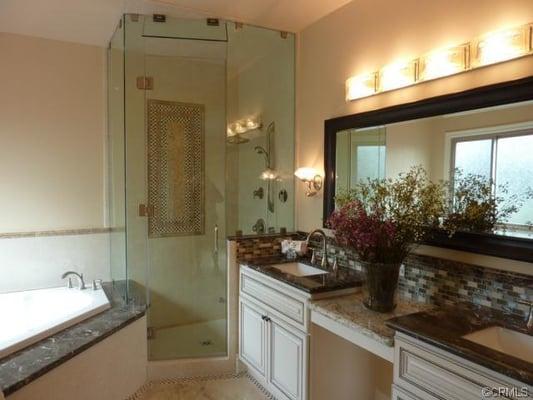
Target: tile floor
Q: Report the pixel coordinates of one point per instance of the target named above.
(239, 387)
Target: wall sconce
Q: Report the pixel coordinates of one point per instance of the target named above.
(311, 177)
(397, 75)
(444, 62)
(502, 45)
(361, 86)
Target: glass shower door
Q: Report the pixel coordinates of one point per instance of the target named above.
(175, 145)
(185, 123)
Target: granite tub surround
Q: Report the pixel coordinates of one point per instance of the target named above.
(24, 366)
(444, 327)
(344, 278)
(350, 312)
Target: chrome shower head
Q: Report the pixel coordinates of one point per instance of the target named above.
(237, 139)
(260, 150)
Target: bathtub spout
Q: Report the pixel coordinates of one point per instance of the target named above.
(79, 278)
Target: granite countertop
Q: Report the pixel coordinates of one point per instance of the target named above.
(24, 366)
(444, 327)
(350, 312)
(345, 278)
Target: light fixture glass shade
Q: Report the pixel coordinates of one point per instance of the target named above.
(443, 62)
(269, 174)
(306, 174)
(397, 75)
(502, 45)
(360, 86)
(244, 125)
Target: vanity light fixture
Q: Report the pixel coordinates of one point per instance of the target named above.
(444, 62)
(361, 86)
(397, 75)
(244, 125)
(312, 178)
(502, 45)
(488, 49)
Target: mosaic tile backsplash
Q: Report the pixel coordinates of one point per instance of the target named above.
(260, 246)
(427, 279)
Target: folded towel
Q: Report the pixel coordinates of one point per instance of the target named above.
(296, 246)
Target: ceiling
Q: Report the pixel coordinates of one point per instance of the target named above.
(93, 21)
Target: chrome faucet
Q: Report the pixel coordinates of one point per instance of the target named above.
(529, 317)
(324, 262)
(79, 278)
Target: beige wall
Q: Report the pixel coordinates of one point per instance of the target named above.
(52, 130)
(363, 36)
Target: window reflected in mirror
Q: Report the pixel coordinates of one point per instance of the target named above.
(505, 160)
(360, 156)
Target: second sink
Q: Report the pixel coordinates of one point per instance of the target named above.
(299, 269)
(504, 340)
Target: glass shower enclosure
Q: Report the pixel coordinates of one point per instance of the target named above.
(182, 178)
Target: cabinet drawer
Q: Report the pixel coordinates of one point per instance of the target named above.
(424, 371)
(400, 394)
(279, 302)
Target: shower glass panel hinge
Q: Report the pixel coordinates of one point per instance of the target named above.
(146, 210)
(145, 83)
(150, 333)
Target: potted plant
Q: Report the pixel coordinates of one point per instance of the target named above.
(382, 220)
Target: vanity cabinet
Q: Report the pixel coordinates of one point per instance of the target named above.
(253, 334)
(287, 354)
(273, 335)
(425, 372)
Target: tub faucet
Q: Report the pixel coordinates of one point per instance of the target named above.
(79, 278)
(324, 262)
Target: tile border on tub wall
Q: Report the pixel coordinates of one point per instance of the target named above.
(60, 232)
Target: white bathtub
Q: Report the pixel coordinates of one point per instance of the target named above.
(29, 316)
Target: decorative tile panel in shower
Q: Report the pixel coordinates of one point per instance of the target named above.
(176, 168)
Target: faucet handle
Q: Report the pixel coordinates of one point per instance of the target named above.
(97, 284)
(335, 265)
(313, 256)
(69, 283)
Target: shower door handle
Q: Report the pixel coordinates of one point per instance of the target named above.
(216, 239)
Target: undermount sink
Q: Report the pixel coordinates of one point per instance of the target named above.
(506, 341)
(299, 269)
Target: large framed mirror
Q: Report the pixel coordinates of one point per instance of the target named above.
(480, 140)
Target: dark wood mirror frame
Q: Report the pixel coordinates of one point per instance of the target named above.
(482, 97)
